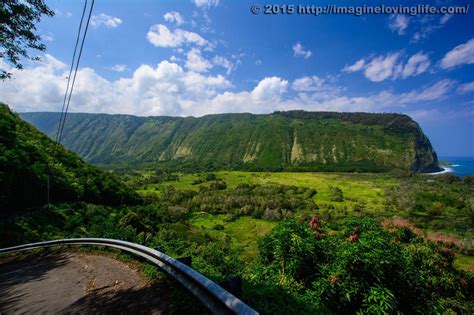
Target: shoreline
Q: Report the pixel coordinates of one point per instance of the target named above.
(444, 171)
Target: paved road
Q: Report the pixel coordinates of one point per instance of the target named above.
(75, 283)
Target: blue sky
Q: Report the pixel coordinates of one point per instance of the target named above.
(213, 56)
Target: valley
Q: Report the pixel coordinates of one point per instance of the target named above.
(298, 240)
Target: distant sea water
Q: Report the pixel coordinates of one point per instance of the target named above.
(460, 166)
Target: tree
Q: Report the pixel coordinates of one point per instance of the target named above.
(17, 30)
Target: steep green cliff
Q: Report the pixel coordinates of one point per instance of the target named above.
(28, 158)
(295, 140)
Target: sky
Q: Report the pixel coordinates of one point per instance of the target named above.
(198, 57)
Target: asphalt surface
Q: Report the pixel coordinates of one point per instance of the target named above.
(75, 283)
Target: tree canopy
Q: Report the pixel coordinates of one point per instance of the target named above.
(18, 19)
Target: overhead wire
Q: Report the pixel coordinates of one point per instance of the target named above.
(70, 69)
(75, 73)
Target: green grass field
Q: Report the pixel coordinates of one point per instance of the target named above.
(243, 232)
(367, 189)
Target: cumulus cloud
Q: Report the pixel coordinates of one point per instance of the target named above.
(105, 20)
(461, 54)
(196, 62)
(119, 68)
(174, 17)
(161, 36)
(169, 89)
(299, 50)
(391, 66)
(398, 23)
(270, 90)
(206, 3)
(159, 90)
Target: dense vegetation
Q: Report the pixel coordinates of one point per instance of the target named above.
(362, 267)
(294, 141)
(28, 158)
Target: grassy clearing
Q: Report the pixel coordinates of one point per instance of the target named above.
(243, 232)
(367, 189)
(465, 262)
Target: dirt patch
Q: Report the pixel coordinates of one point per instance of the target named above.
(76, 282)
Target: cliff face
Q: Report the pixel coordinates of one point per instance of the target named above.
(295, 140)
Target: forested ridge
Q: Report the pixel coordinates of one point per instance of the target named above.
(294, 141)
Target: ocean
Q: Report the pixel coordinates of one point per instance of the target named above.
(460, 166)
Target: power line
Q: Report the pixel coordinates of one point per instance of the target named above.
(75, 72)
(68, 93)
(70, 70)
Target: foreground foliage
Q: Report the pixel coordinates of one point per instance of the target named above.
(360, 268)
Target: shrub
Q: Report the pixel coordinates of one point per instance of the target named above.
(362, 268)
(336, 194)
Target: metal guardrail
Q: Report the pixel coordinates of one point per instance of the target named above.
(213, 296)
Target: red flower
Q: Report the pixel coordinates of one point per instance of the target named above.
(314, 223)
(334, 279)
(447, 251)
(353, 237)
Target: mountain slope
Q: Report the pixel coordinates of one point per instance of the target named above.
(295, 140)
(28, 157)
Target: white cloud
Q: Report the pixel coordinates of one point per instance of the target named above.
(224, 63)
(60, 13)
(445, 18)
(49, 37)
(270, 89)
(161, 36)
(168, 89)
(316, 88)
(307, 84)
(417, 64)
(466, 88)
(299, 50)
(382, 67)
(159, 90)
(428, 24)
(105, 20)
(434, 92)
(359, 65)
(399, 23)
(206, 3)
(461, 54)
(390, 66)
(174, 17)
(119, 68)
(174, 59)
(196, 62)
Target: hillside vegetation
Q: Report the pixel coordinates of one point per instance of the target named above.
(296, 140)
(28, 158)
